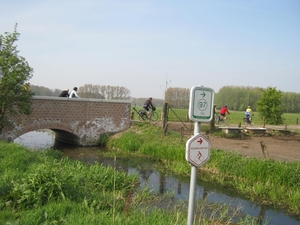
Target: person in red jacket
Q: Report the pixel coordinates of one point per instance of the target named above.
(223, 112)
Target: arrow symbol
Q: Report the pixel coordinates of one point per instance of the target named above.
(203, 94)
(200, 141)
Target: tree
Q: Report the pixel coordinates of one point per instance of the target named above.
(104, 92)
(178, 97)
(15, 95)
(270, 106)
(43, 91)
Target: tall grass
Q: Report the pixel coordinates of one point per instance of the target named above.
(45, 188)
(266, 181)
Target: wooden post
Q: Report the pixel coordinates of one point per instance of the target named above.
(264, 121)
(212, 122)
(181, 133)
(296, 121)
(132, 115)
(165, 115)
(166, 129)
(264, 150)
(285, 126)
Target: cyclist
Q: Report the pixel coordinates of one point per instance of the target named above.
(223, 112)
(148, 105)
(74, 94)
(249, 114)
(64, 93)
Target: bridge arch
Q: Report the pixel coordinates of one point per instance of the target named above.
(77, 121)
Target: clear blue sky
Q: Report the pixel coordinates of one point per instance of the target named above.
(142, 44)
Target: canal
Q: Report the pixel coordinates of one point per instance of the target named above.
(155, 179)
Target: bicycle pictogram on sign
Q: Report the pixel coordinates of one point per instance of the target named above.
(199, 157)
(198, 150)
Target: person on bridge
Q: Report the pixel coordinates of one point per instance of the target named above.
(148, 105)
(64, 93)
(223, 112)
(74, 93)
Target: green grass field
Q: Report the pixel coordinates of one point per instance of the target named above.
(236, 117)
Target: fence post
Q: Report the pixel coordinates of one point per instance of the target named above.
(132, 115)
(165, 115)
(285, 126)
(264, 150)
(212, 122)
(297, 121)
(181, 133)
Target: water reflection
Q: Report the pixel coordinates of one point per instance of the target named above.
(150, 176)
(41, 139)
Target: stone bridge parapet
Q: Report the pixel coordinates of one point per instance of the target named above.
(79, 121)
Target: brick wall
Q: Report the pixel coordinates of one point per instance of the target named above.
(85, 118)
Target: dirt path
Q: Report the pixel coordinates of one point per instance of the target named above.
(278, 147)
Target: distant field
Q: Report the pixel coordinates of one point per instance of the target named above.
(235, 116)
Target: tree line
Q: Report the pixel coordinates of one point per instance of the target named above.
(237, 98)
(88, 91)
(99, 92)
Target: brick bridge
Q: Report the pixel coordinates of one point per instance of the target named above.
(79, 121)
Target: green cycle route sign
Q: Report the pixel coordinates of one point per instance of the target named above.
(201, 104)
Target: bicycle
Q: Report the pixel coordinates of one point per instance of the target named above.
(248, 120)
(143, 115)
(219, 120)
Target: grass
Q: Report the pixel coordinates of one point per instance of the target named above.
(45, 188)
(265, 181)
(176, 115)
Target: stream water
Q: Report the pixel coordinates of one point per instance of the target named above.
(157, 181)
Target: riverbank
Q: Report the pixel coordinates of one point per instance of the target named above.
(43, 187)
(269, 182)
(281, 144)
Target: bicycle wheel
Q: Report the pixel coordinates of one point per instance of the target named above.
(154, 116)
(251, 122)
(248, 122)
(141, 116)
(217, 120)
(227, 121)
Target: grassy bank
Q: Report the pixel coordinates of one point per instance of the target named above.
(264, 181)
(45, 188)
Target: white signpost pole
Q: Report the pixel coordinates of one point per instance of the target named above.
(200, 110)
(194, 172)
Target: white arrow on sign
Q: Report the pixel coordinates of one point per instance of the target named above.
(198, 150)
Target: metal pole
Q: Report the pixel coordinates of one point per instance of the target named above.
(193, 182)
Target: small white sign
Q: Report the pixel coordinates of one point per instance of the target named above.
(201, 104)
(198, 150)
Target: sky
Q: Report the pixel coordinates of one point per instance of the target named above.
(148, 46)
